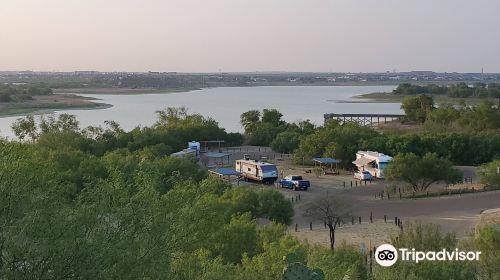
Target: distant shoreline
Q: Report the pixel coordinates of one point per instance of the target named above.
(70, 98)
(387, 97)
(50, 104)
(122, 91)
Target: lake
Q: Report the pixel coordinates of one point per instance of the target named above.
(226, 104)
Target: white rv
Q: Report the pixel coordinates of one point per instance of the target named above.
(257, 170)
(373, 162)
(193, 151)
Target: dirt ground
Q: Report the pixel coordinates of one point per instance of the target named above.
(490, 217)
(458, 213)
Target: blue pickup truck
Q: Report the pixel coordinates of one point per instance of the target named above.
(294, 182)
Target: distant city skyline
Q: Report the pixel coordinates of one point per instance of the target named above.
(250, 36)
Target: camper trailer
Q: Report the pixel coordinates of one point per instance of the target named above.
(260, 171)
(193, 151)
(373, 162)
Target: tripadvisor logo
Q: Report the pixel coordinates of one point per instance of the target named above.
(386, 255)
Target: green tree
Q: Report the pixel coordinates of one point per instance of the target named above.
(272, 116)
(286, 142)
(420, 172)
(263, 134)
(275, 207)
(490, 173)
(417, 107)
(249, 119)
(25, 127)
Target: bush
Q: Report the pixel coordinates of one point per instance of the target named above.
(275, 207)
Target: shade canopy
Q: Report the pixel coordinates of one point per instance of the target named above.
(326, 160)
(225, 172)
(217, 155)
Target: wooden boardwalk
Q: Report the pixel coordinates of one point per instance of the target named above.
(363, 119)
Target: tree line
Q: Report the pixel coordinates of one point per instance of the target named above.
(460, 90)
(464, 136)
(23, 92)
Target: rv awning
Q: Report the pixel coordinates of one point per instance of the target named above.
(362, 161)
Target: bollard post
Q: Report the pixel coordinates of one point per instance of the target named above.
(296, 226)
(325, 224)
(310, 225)
(396, 220)
(371, 261)
(400, 197)
(371, 217)
(356, 182)
(292, 199)
(359, 219)
(427, 193)
(351, 184)
(388, 196)
(344, 184)
(385, 219)
(299, 196)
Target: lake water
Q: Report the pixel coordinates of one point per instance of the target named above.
(225, 105)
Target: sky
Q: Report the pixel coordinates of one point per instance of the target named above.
(250, 35)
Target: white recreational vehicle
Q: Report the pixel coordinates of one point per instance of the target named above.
(373, 162)
(193, 151)
(257, 170)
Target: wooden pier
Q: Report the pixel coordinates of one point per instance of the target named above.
(363, 119)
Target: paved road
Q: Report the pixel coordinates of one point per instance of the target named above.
(454, 213)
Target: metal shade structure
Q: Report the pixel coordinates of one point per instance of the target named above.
(325, 162)
(225, 173)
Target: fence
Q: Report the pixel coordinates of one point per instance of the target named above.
(354, 220)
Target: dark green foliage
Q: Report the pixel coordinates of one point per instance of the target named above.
(460, 90)
(274, 206)
(174, 128)
(485, 116)
(298, 271)
(271, 130)
(417, 107)
(421, 172)
(286, 142)
(263, 134)
(18, 93)
(490, 173)
(334, 140)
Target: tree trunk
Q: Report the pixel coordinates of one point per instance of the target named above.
(332, 236)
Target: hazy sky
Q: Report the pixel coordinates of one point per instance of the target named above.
(250, 35)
